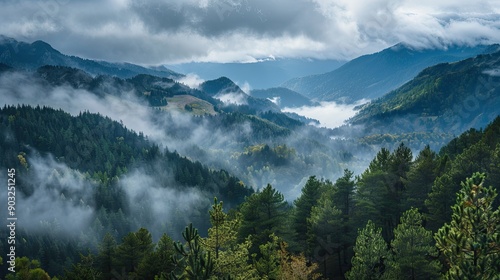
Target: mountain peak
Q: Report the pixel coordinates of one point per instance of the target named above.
(220, 85)
(42, 44)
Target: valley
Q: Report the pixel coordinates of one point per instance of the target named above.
(131, 159)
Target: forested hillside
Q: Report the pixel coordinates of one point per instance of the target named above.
(371, 76)
(447, 97)
(110, 178)
(333, 229)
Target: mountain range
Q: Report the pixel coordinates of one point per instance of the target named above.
(449, 97)
(260, 74)
(371, 76)
(28, 56)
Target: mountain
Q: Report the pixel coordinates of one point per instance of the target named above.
(371, 76)
(261, 74)
(448, 97)
(27, 56)
(232, 95)
(283, 97)
(220, 85)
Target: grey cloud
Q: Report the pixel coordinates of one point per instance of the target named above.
(265, 18)
(154, 32)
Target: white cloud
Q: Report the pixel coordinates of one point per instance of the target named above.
(233, 98)
(191, 80)
(329, 114)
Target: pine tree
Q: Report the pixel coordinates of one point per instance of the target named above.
(193, 262)
(420, 179)
(470, 243)
(106, 255)
(370, 252)
(217, 219)
(412, 249)
(343, 198)
(381, 188)
(268, 264)
(232, 258)
(159, 262)
(135, 246)
(475, 158)
(264, 213)
(311, 192)
(325, 232)
(83, 270)
(28, 269)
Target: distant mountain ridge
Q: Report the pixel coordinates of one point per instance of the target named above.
(448, 97)
(371, 76)
(27, 56)
(262, 74)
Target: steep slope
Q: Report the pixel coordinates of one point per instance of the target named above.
(23, 55)
(449, 97)
(283, 97)
(371, 76)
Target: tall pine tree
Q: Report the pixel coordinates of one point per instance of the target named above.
(413, 250)
(370, 252)
(470, 243)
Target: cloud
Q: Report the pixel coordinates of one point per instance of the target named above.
(162, 208)
(329, 114)
(233, 98)
(493, 72)
(18, 88)
(61, 199)
(154, 32)
(191, 80)
(246, 88)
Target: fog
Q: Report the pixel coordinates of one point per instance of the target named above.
(200, 139)
(61, 199)
(329, 114)
(162, 208)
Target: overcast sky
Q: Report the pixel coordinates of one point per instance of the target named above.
(170, 31)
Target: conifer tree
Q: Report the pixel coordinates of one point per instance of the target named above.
(106, 255)
(232, 258)
(470, 243)
(325, 231)
(420, 178)
(268, 265)
(193, 262)
(159, 262)
(413, 250)
(343, 198)
(311, 192)
(264, 213)
(370, 252)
